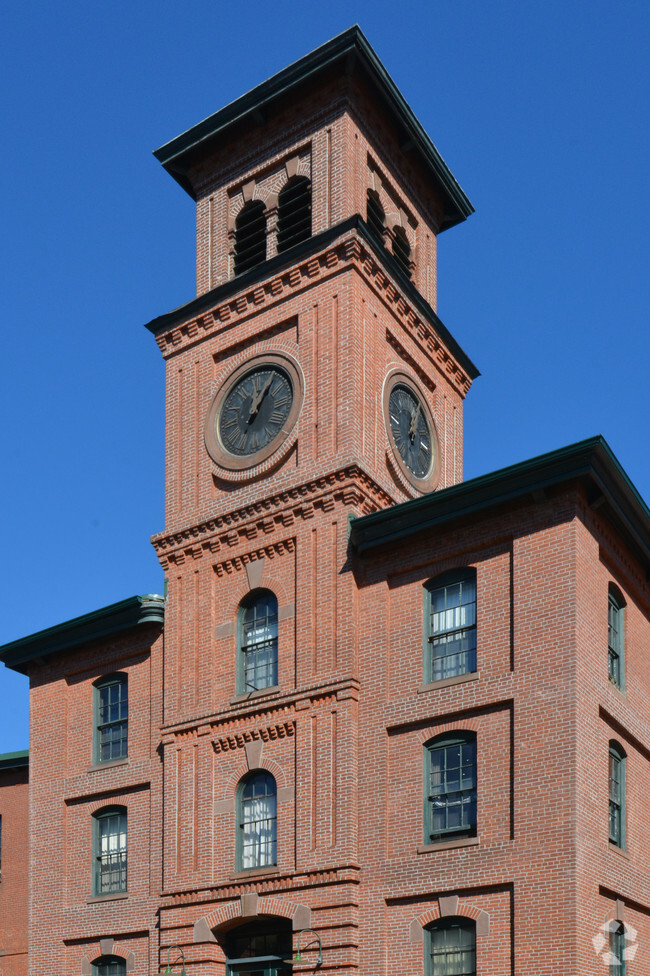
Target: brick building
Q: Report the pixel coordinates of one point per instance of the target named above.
(384, 719)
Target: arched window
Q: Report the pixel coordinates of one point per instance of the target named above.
(402, 250)
(616, 636)
(294, 213)
(375, 216)
(111, 718)
(258, 642)
(616, 794)
(263, 947)
(109, 851)
(109, 966)
(250, 236)
(256, 821)
(450, 645)
(450, 946)
(450, 787)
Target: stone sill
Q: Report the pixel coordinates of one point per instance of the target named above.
(448, 682)
(94, 899)
(108, 765)
(615, 849)
(254, 873)
(251, 695)
(445, 845)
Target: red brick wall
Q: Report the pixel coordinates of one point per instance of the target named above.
(14, 876)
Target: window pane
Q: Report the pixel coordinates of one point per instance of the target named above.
(112, 719)
(453, 629)
(257, 825)
(259, 634)
(452, 948)
(452, 789)
(111, 854)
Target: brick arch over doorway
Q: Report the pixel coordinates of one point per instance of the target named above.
(248, 907)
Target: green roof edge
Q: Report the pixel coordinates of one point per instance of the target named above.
(104, 622)
(592, 458)
(350, 41)
(14, 760)
(275, 264)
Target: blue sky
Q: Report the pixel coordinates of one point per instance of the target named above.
(539, 108)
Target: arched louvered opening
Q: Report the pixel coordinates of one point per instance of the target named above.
(375, 215)
(402, 251)
(250, 237)
(294, 213)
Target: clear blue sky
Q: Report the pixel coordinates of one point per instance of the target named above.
(541, 111)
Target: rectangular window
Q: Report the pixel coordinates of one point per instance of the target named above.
(615, 637)
(452, 626)
(452, 788)
(112, 711)
(616, 794)
(110, 852)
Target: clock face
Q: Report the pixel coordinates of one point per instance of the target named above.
(408, 421)
(253, 413)
(255, 410)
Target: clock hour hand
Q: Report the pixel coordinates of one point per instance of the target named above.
(414, 422)
(255, 405)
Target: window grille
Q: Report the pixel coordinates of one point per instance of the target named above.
(616, 794)
(250, 237)
(259, 642)
(375, 216)
(402, 251)
(294, 213)
(257, 821)
(110, 852)
(451, 794)
(112, 709)
(615, 638)
(452, 626)
(452, 947)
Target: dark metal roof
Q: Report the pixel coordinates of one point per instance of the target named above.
(105, 622)
(591, 461)
(277, 264)
(14, 760)
(349, 50)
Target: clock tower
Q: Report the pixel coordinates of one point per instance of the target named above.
(309, 382)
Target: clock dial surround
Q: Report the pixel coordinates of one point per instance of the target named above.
(411, 431)
(253, 412)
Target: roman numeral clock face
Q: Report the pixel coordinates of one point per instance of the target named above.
(412, 434)
(253, 412)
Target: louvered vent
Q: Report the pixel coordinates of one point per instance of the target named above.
(402, 251)
(250, 237)
(375, 215)
(294, 213)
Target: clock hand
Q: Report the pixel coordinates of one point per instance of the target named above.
(414, 420)
(255, 405)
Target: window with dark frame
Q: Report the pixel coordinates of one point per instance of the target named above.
(250, 236)
(257, 821)
(615, 636)
(294, 213)
(258, 642)
(616, 795)
(109, 966)
(451, 623)
(451, 947)
(262, 947)
(450, 787)
(110, 851)
(111, 718)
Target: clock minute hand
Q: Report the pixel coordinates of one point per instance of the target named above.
(255, 405)
(414, 420)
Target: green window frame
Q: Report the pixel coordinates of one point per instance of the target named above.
(110, 851)
(616, 637)
(111, 708)
(257, 665)
(450, 947)
(256, 821)
(617, 961)
(617, 790)
(450, 792)
(450, 631)
(109, 966)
